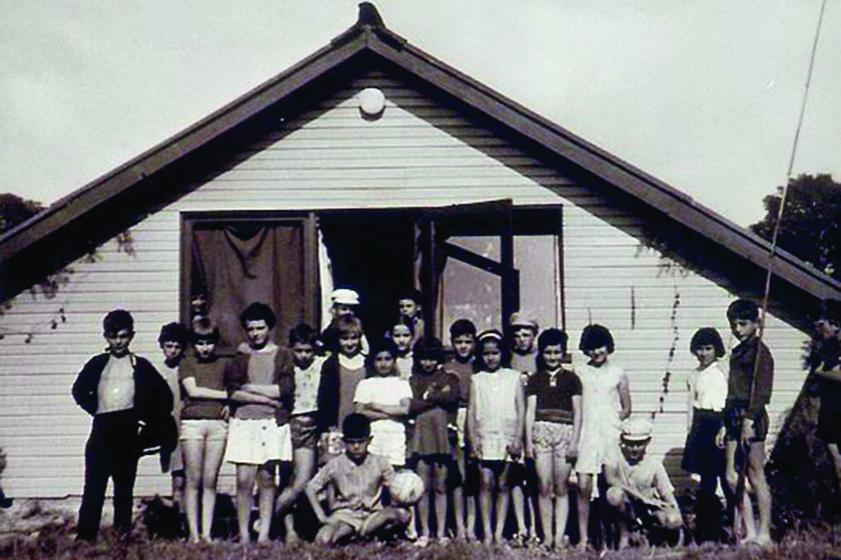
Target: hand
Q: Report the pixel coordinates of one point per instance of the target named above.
(515, 449)
(719, 437)
(748, 433)
(530, 450)
(226, 412)
(572, 452)
(476, 450)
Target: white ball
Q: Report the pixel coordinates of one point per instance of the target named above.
(406, 488)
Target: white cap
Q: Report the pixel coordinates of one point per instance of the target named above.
(344, 296)
(636, 429)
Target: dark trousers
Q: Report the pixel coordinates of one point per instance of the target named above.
(111, 451)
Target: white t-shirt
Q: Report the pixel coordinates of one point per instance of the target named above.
(389, 436)
(306, 386)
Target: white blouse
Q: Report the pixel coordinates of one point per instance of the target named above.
(708, 388)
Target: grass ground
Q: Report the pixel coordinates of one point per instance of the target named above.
(44, 534)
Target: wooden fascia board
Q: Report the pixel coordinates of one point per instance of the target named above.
(75, 205)
(623, 175)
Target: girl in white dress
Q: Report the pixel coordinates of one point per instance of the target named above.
(495, 425)
(605, 402)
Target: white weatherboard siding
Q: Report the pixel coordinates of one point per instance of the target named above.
(417, 154)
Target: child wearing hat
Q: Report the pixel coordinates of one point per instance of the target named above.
(356, 478)
(345, 303)
(639, 487)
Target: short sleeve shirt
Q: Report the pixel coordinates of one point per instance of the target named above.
(649, 476)
(306, 387)
(554, 395)
(211, 375)
(356, 487)
(386, 391)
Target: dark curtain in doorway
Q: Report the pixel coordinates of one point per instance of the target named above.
(238, 263)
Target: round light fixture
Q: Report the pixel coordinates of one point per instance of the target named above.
(371, 102)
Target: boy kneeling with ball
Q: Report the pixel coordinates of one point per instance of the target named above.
(639, 487)
(357, 479)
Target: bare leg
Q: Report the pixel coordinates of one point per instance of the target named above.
(331, 533)
(387, 517)
(546, 492)
(518, 500)
(486, 488)
(585, 490)
(246, 474)
(835, 455)
(616, 498)
(458, 510)
(425, 472)
(502, 498)
(561, 472)
(194, 467)
(470, 523)
(213, 453)
(304, 461)
(756, 475)
(440, 503)
(179, 481)
(266, 488)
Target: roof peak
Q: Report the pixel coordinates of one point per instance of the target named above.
(368, 15)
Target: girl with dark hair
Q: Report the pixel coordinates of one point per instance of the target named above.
(435, 397)
(495, 424)
(553, 425)
(707, 386)
(605, 402)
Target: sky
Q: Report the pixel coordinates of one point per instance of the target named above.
(704, 95)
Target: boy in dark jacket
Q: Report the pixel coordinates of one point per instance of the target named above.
(131, 407)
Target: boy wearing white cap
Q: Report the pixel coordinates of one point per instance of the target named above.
(639, 487)
(345, 302)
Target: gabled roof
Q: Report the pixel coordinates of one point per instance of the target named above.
(369, 36)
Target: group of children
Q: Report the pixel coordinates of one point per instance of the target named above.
(495, 422)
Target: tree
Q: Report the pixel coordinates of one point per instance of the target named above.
(811, 224)
(14, 210)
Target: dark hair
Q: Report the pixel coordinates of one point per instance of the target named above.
(484, 338)
(462, 327)
(348, 324)
(116, 321)
(743, 309)
(382, 345)
(595, 336)
(356, 426)
(174, 332)
(258, 311)
(428, 349)
(302, 333)
(409, 326)
(204, 329)
(707, 336)
(411, 294)
(550, 337)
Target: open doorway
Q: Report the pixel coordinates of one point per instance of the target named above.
(374, 253)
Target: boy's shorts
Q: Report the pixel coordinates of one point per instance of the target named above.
(256, 442)
(304, 431)
(733, 418)
(355, 519)
(829, 424)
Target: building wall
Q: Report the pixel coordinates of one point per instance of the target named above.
(418, 154)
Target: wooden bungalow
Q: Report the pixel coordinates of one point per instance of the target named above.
(402, 171)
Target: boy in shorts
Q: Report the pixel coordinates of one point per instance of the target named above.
(745, 418)
(261, 387)
(638, 485)
(356, 479)
(172, 341)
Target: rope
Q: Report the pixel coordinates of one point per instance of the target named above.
(740, 486)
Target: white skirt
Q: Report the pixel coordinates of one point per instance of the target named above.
(255, 442)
